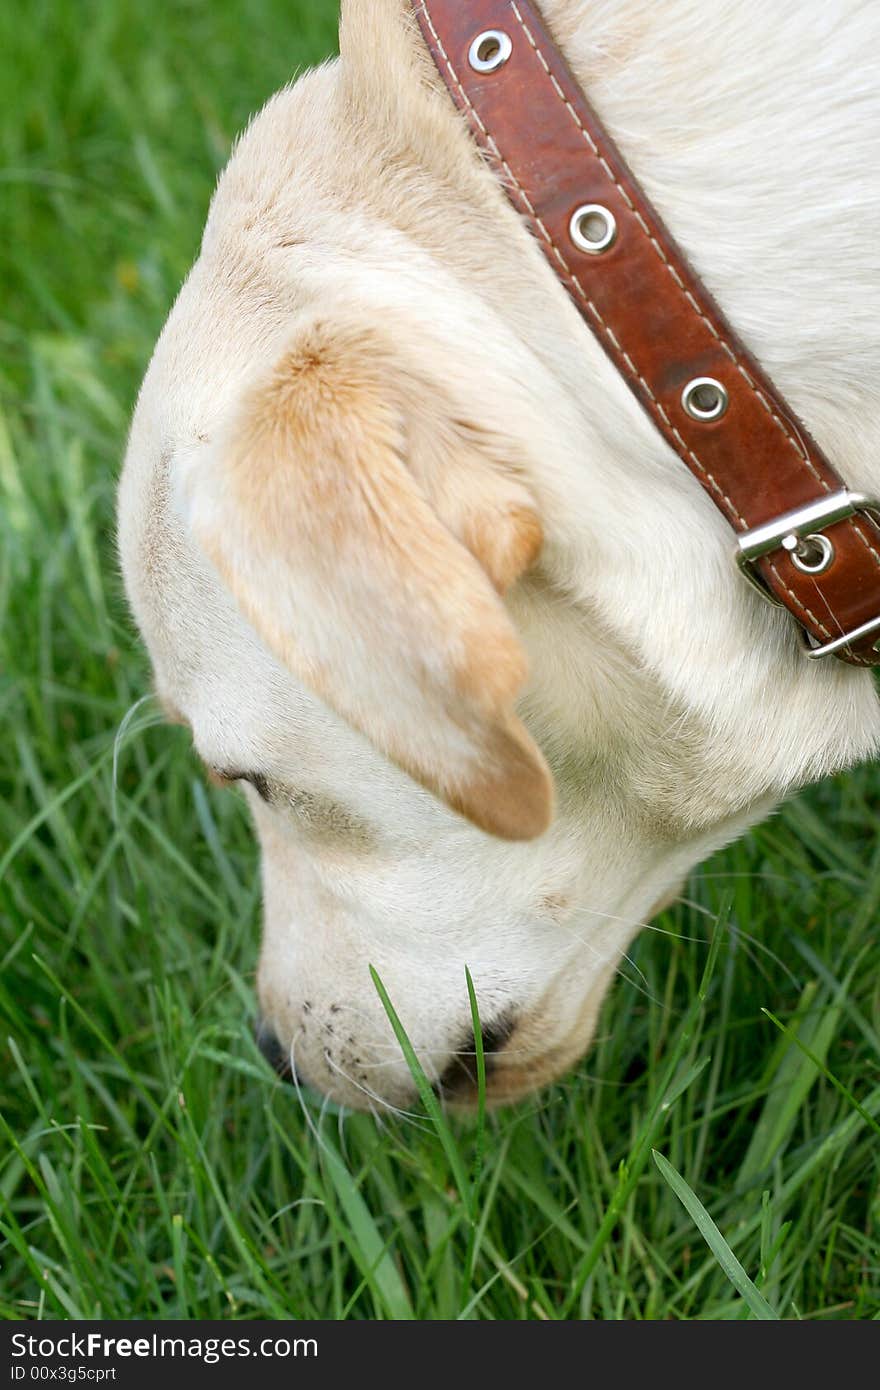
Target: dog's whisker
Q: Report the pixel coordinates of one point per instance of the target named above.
(639, 987)
(298, 1088)
(742, 873)
(606, 959)
(748, 940)
(119, 739)
(676, 935)
(340, 1130)
(440, 1052)
(755, 948)
(372, 1095)
(699, 908)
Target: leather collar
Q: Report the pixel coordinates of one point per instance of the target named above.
(803, 537)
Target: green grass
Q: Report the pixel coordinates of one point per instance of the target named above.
(150, 1165)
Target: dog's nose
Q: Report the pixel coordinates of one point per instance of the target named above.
(461, 1076)
(277, 1056)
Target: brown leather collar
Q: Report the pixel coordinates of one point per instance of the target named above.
(807, 541)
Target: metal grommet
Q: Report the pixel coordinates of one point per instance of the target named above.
(592, 228)
(810, 554)
(704, 398)
(490, 50)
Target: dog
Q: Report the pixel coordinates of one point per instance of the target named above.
(420, 575)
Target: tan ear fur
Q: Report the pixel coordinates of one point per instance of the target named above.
(365, 533)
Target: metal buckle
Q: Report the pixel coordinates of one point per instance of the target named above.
(816, 653)
(799, 525)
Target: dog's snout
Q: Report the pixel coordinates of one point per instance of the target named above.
(277, 1056)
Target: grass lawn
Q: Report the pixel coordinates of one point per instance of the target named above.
(150, 1165)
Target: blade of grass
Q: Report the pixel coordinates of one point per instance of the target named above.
(755, 1300)
(427, 1097)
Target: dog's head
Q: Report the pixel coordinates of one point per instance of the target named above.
(320, 571)
(413, 591)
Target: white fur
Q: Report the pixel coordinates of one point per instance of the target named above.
(672, 705)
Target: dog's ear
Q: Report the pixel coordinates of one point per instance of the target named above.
(366, 531)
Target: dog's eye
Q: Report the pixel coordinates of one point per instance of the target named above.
(225, 777)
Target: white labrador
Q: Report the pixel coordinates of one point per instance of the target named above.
(412, 563)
